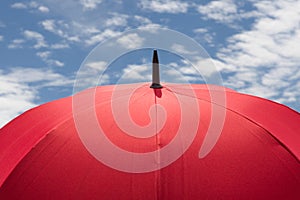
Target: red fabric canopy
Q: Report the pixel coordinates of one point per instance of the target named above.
(42, 155)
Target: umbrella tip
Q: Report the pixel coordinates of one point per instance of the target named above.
(155, 56)
(155, 71)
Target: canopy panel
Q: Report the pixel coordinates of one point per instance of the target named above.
(257, 155)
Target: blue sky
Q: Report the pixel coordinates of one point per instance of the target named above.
(254, 44)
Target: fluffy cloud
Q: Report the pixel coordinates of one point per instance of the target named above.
(43, 9)
(266, 57)
(90, 4)
(19, 93)
(131, 41)
(204, 36)
(91, 74)
(84, 33)
(136, 73)
(58, 27)
(30, 5)
(16, 44)
(117, 20)
(180, 49)
(45, 56)
(49, 25)
(173, 72)
(60, 46)
(99, 37)
(90, 32)
(39, 38)
(228, 12)
(142, 20)
(19, 5)
(223, 11)
(165, 6)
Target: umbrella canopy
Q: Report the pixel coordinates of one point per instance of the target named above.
(46, 154)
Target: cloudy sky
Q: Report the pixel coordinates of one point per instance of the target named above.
(254, 44)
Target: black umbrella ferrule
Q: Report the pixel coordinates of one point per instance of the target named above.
(155, 71)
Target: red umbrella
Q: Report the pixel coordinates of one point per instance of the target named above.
(170, 149)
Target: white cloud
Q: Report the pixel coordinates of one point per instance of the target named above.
(74, 39)
(59, 46)
(142, 20)
(90, 32)
(165, 6)
(179, 72)
(99, 65)
(203, 35)
(259, 90)
(107, 33)
(30, 5)
(228, 12)
(173, 72)
(1, 38)
(49, 25)
(67, 31)
(222, 67)
(266, 57)
(221, 10)
(90, 4)
(180, 49)
(200, 30)
(56, 27)
(16, 44)
(43, 9)
(206, 67)
(45, 56)
(92, 75)
(39, 38)
(45, 77)
(152, 28)
(271, 40)
(87, 34)
(290, 95)
(14, 103)
(20, 89)
(131, 41)
(19, 5)
(56, 63)
(117, 20)
(136, 73)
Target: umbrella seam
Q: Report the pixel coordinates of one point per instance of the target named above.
(243, 117)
